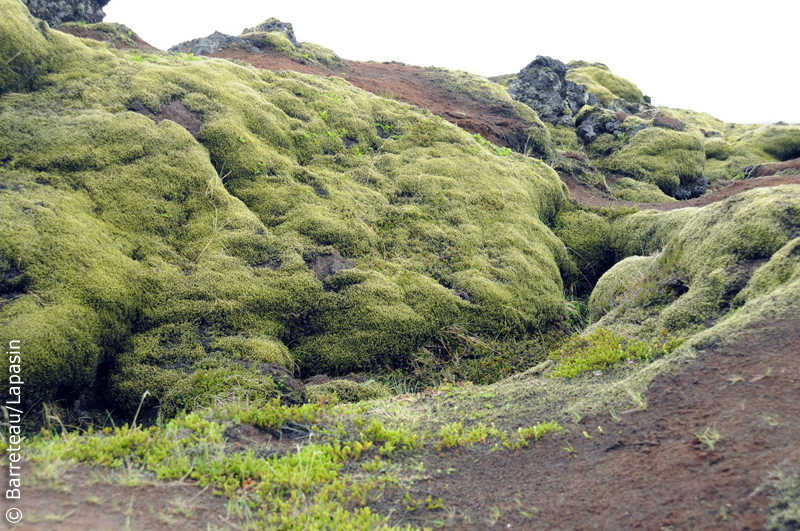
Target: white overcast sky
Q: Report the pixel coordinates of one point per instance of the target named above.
(739, 62)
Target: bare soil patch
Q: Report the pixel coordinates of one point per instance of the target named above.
(649, 469)
(86, 498)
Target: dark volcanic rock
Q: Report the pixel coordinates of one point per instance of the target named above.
(56, 13)
(273, 25)
(623, 105)
(215, 42)
(543, 86)
(691, 190)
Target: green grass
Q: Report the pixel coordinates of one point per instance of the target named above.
(602, 349)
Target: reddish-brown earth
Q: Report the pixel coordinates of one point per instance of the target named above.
(647, 470)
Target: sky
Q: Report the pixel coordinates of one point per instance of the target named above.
(739, 65)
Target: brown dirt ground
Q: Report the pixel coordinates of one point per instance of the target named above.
(648, 469)
(98, 499)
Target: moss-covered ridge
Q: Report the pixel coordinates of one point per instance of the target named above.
(598, 79)
(691, 268)
(183, 266)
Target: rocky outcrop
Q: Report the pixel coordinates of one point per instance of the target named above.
(56, 13)
(274, 25)
(215, 42)
(543, 86)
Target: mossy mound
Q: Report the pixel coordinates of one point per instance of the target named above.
(718, 148)
(703, 263)
(586, 237)
(632, 190)
(768, 143)
(24, 48)
(598, 79)
(161, 262)
(663, 157)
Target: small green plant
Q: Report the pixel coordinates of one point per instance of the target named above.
(494, 515)
(638, 399)
(412, 504)
(710, 437)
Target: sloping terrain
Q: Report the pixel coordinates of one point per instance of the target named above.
(254, 290)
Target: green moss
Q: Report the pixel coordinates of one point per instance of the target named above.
(632, 190)
(586, 237)
(751, 145)
(599, 80)
(24, 48)
(662, 157)
(705, 263)
(602, 348)
(785, 505)
(504, 80)
(564, 138)
(615, 282)
(346, 391)
(718, 148)
(184, 258)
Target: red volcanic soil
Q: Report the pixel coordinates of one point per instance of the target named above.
(649, 469)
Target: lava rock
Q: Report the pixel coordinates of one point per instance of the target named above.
(691, 190)
(273, 25)
(56, 13)
(594, 122)
(543, 86)
(623, 105)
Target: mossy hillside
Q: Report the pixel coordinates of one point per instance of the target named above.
(707, 122)
(537, 139)
(188, 256)
(598, 79)
(704, 267)
(662, 157)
